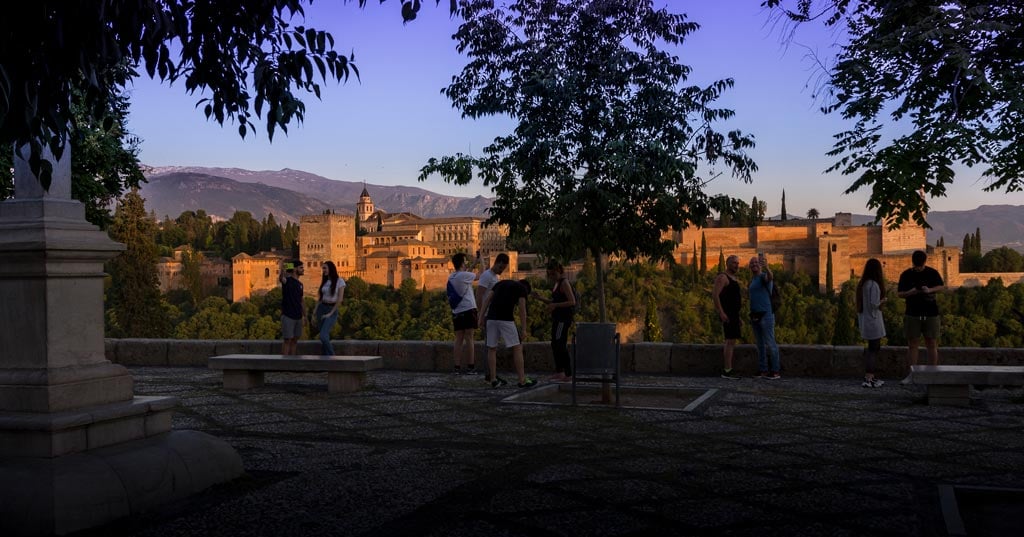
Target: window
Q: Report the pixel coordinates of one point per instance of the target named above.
(266, 273)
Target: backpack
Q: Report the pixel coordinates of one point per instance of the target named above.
(454, 298)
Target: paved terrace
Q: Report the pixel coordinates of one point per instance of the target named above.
(429, 453)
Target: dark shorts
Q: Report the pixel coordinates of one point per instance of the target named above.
(732, 328)
(915, 327)
(466, 320)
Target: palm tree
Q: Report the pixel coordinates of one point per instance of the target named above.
(813, 214)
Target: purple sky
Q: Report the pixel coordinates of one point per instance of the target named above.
(382, 129)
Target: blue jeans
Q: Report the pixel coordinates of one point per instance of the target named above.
(764, 336)
(326, 324)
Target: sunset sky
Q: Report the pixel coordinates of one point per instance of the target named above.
(383, 128)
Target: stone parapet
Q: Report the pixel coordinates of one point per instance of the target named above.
(682, 359)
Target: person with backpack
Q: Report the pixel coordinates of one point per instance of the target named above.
(762, 319)
(562, 307)
(462, 300)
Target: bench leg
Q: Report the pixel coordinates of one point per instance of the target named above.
(345, 382)
(949, 395)
(242, 379)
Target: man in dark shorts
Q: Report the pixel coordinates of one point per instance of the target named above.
(500, 306)
(291, 307)
(462, 300)
(918, 286)
(728, 296)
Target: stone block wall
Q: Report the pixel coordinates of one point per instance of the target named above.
(682, 359)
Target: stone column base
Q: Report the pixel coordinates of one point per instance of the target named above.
(46, 496)
(345, 381)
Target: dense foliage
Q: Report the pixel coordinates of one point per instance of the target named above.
(611, 146)
(244, 57)
(943, 75)
(226, 238)
(663, 304)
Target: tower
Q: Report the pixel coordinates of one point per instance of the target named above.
(364, 208)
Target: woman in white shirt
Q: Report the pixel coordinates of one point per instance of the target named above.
(332, 291)
(870, 297)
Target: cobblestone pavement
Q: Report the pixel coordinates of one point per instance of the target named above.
(439, 455)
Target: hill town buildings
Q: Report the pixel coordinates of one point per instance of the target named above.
(390, 248)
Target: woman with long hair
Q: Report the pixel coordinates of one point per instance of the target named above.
(561, 306)
(329, 297)
(870, 297)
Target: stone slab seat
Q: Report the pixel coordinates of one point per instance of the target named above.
(951, 384)
(345, 374)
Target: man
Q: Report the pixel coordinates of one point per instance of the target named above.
(490, 277)
(464, 314)
(918, 286)
(762, 320)
(500, 305)
(727, 296)
(291, 307)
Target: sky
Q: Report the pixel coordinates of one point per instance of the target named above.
(383, 127)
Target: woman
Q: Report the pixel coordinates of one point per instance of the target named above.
(561, 306)
(870, 297)
(332, 290)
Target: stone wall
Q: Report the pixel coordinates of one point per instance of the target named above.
(641, 358)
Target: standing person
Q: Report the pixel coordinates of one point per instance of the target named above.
(918, 286)
(464, 315)
(500, 306)
(870, 297)
(291, 307)
(488, 278)
(330, 295)
(561, 306)
(762, 320)
(728, 296)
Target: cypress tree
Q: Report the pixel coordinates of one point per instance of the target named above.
(703, 254)
(652, 326)
(784, 217)
(134, 296)
(694, 265)
(721, 260)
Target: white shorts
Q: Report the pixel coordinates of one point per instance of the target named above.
(504, 330)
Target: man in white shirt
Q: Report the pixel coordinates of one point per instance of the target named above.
(487, 280)
(462, 300)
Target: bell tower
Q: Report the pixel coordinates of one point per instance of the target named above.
(365, 207)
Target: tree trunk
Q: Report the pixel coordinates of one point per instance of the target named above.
(599, 268)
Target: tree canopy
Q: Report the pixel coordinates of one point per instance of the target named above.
(611, 147)
(945, 75)
(245, 56)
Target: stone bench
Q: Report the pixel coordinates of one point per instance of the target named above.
(951, 384)
(345, 374)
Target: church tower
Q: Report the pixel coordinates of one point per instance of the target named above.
(364, 209)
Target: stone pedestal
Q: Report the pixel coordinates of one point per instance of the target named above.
(61, 402)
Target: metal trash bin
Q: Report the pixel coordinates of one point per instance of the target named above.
(595, 356)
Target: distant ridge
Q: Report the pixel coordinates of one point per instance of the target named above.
(315, 191)
(289, 194)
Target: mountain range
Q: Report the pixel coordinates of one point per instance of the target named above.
(289, 194)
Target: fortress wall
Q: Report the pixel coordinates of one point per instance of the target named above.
(976, 279)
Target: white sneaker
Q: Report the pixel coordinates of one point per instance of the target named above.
(909, 379)
(878, 383)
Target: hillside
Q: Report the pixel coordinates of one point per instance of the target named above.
(338, 195)
(173, 193)
(1001, 225)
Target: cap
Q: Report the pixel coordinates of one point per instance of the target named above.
(289, 266)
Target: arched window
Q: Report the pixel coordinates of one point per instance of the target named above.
(266, 273)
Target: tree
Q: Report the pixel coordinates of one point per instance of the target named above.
(703, 254)
(949, 71)
(105, 162)
(134, 296)
(244, 57)
(652, 325)
(192, 274)
(721, 259)
(813, 213)
(610, 148)
(784, 217)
